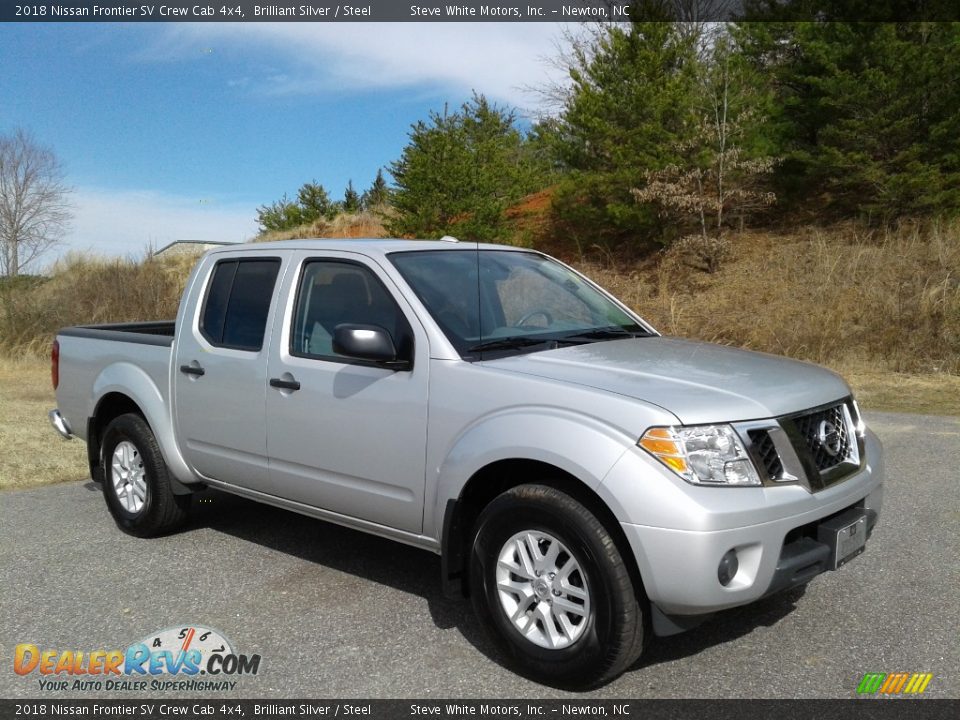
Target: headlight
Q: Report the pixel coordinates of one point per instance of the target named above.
(702, 454)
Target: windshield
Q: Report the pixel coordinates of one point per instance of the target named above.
(523, 301)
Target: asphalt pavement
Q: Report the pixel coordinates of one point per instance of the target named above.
(336, 613)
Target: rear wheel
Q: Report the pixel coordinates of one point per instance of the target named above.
(136, 482)
(548, 581)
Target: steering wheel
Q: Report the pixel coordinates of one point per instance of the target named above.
(532, 314)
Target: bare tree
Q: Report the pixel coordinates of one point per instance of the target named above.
(34, 212)
(718, 178)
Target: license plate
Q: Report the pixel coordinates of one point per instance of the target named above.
(846, 536)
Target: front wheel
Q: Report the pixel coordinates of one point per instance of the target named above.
(548, 581)
(136, 482)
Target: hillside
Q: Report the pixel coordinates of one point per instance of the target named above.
(881, 306)
(886, 299)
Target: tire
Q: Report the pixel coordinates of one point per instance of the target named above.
(594, 599)
(136, 482)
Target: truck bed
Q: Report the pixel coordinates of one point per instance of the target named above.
(135, 356)
(158, 332)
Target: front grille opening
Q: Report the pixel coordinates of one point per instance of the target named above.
(810, 529)
(766, 453)
(826, 436)
(804, 531)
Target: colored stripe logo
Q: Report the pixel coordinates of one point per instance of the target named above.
(894, 683)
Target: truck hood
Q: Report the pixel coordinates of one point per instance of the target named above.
(698, 382)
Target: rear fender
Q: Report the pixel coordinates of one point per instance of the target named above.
(131, 381)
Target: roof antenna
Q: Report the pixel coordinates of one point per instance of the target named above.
(449, 238)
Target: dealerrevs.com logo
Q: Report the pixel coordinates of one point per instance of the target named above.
(182, 658)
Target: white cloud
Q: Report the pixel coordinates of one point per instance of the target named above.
(500, 60)
(109, 222)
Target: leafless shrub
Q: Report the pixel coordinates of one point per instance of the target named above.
(717, 180)
(708, 253)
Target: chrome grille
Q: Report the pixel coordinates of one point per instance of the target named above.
(826, 436)
(817, 447)
(766, 453)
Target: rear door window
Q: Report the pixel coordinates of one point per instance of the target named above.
(237, 305)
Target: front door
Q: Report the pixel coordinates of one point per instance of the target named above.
(344, 435)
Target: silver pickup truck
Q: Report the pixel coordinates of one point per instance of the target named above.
(586, 481)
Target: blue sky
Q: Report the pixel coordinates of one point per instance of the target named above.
(177, 131)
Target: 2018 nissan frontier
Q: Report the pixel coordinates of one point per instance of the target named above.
(586, 481)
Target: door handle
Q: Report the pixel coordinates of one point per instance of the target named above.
(192, 370)
(284, 384)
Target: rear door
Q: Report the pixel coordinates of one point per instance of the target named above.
(220, 371)
(351, 436)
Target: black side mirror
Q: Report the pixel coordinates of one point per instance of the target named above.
(367, 342)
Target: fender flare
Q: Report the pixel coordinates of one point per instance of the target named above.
(130, 381)
(579, 446)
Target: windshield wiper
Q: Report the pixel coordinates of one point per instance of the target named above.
(607, 333)
(520, 341)
(510, 343)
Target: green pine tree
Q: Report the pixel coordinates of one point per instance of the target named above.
(866, 114)
(351, 199)
(280, 215)
(377, 195)
(628, 109)
(460, 171)
(315, 203)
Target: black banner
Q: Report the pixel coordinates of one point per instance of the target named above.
(892, 709)
(476, 11)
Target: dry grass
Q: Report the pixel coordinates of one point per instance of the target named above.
(363, 224)
(889, 300)
(932, 394)
(882, 308)
(33, 453)
(86, 290)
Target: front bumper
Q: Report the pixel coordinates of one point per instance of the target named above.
(689, 529)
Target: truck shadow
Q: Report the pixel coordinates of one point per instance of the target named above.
(379, 560)
(721, 628)
(414, 571)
